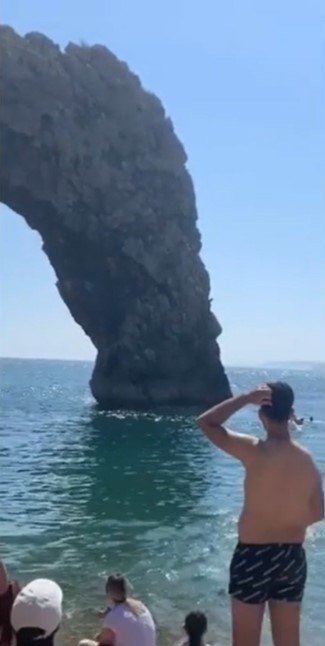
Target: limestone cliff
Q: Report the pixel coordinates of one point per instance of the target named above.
(90, 160)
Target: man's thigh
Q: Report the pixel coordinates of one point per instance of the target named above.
(247, 619)
(285, 622)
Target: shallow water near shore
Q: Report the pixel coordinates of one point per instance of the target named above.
(83, 493)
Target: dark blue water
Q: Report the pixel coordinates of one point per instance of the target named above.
(83, 493)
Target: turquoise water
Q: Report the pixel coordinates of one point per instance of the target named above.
(84, 492)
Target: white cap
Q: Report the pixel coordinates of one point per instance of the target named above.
(38, 605)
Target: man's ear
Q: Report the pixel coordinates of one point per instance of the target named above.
(293, 420)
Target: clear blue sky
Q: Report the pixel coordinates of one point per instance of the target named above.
(244, 84)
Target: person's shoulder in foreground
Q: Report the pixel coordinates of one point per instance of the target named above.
(8, 592)
(36, 613)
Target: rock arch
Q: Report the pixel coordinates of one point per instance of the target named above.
(90, 160)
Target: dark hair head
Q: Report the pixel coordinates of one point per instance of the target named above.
(196, 625)
(282, 402)
(117, 587)
(33, 637)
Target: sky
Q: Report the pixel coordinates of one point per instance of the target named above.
(243, 82)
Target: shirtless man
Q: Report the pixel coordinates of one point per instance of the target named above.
(283, 496)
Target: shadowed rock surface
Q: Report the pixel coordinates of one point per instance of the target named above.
(90, 160)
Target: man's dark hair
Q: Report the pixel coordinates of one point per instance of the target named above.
(33, 637)
(282, 402)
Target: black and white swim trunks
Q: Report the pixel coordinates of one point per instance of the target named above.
(262, 572)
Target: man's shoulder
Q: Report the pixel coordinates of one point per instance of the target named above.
(302, 450)
(296, 450)
(306, 458)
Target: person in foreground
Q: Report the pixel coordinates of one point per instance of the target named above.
(282, 496)
(195, 627)
(36, 613)
(8, 592)
(127, 621)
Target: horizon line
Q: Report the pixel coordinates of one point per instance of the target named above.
(240, 364)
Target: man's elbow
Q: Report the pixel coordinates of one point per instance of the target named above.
(207, 421)
(214, 432)
(206, 425)
(201, 422)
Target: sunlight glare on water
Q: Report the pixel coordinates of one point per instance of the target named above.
(84, 492)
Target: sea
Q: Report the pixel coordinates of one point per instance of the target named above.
(85, 492)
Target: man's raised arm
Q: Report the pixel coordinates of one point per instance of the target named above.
(211, 422)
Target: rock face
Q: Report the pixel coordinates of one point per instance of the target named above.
(90, 160)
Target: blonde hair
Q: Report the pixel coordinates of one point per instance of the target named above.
(136, 606)
(117, 588)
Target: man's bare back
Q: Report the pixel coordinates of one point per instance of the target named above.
(282, 497)
(279, 486)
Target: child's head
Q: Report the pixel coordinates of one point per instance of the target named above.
(195, 626)
(117, 588)
(36, 613)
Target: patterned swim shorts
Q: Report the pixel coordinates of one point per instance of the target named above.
(271, 571)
